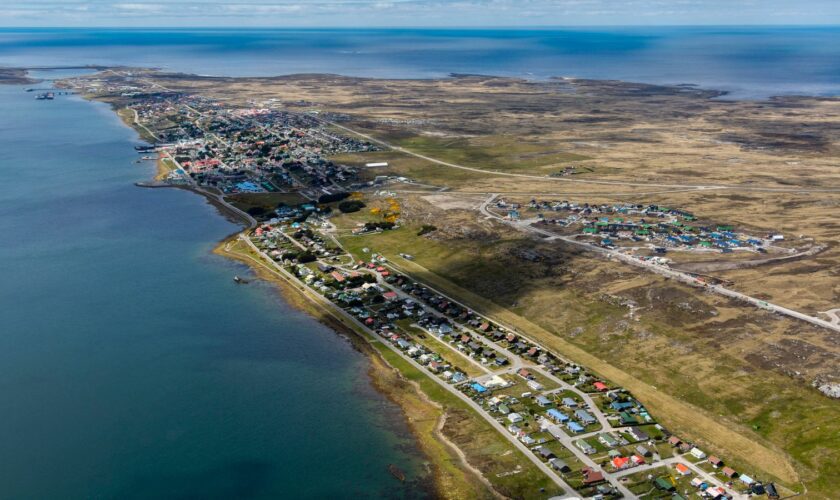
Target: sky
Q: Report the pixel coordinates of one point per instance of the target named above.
(413, 13)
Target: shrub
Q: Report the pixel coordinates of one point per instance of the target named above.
(350, 206)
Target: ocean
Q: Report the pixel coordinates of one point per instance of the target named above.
(132, 365)
(749, 62)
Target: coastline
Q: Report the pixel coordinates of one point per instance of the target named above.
(452, 475)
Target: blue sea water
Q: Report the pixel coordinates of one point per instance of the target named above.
(131, 364)
(749, 62)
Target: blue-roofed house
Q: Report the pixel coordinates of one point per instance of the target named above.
(571, 403)
(622, 405)
(478, 388)
(574, 426)
(543, 401)
(557, 416)
(585, 417)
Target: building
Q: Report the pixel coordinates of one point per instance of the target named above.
(592, 476)
(638, 434)
(682, 469)
(584, 446)
(543, 401)
(559, 465)
(729, 472)
(608, 440)
(515, 418)
(697, 453)
(557, 416)
(574, 427)
(585, 417)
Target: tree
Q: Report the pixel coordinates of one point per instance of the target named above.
(350, 206)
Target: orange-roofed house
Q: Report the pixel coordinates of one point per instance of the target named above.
(682, 469)
(620, 462)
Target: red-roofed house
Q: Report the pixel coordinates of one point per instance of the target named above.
(620, 462)
(601, 386)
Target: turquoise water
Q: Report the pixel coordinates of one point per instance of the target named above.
(132, 366)
(748, 61)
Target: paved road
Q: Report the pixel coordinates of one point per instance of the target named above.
(569, 492)
(664, 271)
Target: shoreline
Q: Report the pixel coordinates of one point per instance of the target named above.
(421, 414)
(413, 405)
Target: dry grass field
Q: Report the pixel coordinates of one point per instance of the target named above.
(734, 378)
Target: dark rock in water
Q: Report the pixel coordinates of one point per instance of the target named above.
(396, 472)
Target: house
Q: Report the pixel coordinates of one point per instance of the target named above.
(620, 462)
(600, 386)
(533, 384)
(674, 441)
(637, 460)
(585, 447)
(585, 417)
(746, 479)
(475, 385)
(390, 296)
(569, 402)
(621, 405)
(503, 409)
(682, 469)
(546, 453)
(608, 440)
(641, 450)
(663, 484)
(715, 461)
(697, 453)
(524, 373)
(638, 434)
(592, 476)
(559, 465)
(729, 472)
(515, 418)
(557, 416)
(627, 419)
(574, 427)
(543, 401)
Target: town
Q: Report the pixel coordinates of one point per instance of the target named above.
(590, 437)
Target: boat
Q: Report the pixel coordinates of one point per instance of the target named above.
(239, 280)
(46, 96)
(396, 472)
(144, 149)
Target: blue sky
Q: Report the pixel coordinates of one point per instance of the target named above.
(356, 13)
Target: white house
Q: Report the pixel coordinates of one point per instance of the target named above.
(514, 418)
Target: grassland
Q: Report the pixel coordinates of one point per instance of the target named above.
(735, 379)
(763, 421)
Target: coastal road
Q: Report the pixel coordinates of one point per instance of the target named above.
(664, 271)
(569, 492)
